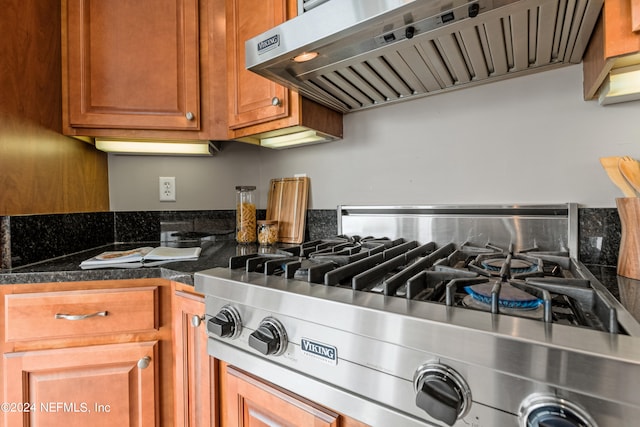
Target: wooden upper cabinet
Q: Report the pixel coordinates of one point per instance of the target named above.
(257, 106)
(144, 69)
(613, 44)
(250, 95)
(133, 64)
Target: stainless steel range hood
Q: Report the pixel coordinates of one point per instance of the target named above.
(375, 52)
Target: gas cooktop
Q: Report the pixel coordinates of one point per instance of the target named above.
(544, 285)
(434, 315)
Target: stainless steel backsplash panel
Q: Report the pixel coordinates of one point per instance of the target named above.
(547, 227)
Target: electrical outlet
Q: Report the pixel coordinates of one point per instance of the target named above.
(167, 188)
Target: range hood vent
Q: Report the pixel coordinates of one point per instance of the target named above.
(376, 52)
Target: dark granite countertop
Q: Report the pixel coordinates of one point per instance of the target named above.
(67, 268)
(625, 290)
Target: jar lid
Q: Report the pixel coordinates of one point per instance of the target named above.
(267, 222)
(245, 187)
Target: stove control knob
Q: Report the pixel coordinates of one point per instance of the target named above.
(543, 410)
(270, 338)
(441, 392)
(225, 324)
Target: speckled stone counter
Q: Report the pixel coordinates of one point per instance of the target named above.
(626, 290)
(630, 295)
(28, 239)
(67, 268)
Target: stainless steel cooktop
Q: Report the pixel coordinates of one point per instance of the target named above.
(434, 315)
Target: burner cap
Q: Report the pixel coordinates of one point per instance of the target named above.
(517, 265)
(510, 296)
(536, 313)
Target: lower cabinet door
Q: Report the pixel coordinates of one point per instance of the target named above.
(103, 385)
(253, 403)
(195, 372)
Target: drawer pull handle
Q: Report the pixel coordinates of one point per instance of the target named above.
(79, 316)
(144, 362)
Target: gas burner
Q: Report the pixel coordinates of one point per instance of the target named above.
(507, 265)
(517, 265)
(508, 296)
(536, 313)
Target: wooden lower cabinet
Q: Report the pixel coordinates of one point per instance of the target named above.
(148, 368)
(248, 401)
(94, 353)
(195, 373)
(108, 385)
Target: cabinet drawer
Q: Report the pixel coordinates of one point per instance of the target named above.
(46, 315)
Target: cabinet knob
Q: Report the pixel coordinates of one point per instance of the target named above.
(196, 320)
(144, 362)
(190, 116)
(276, 102)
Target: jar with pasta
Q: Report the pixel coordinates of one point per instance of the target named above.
(245, 214)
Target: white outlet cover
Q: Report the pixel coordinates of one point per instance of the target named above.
(167, 187)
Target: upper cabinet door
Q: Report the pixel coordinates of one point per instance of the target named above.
(252, 97)
(132, 64)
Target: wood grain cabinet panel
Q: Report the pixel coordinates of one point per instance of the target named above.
(133, 64)
(84, 369)
(248, 401)
(195, 372)
(613, 45)
(110, 385)
(49, 315)
(257, 106)
(251, 95)
(144, 70)
(253, 403)
(42, 171)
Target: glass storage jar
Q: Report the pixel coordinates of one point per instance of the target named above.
(245, 214)
(267, 232)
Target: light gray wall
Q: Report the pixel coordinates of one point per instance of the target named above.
(530, 139)
(202, 183)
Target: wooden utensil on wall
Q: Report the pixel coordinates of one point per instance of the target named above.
(630, 169)
(629, 255)
(610, 165)
(287, 204)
